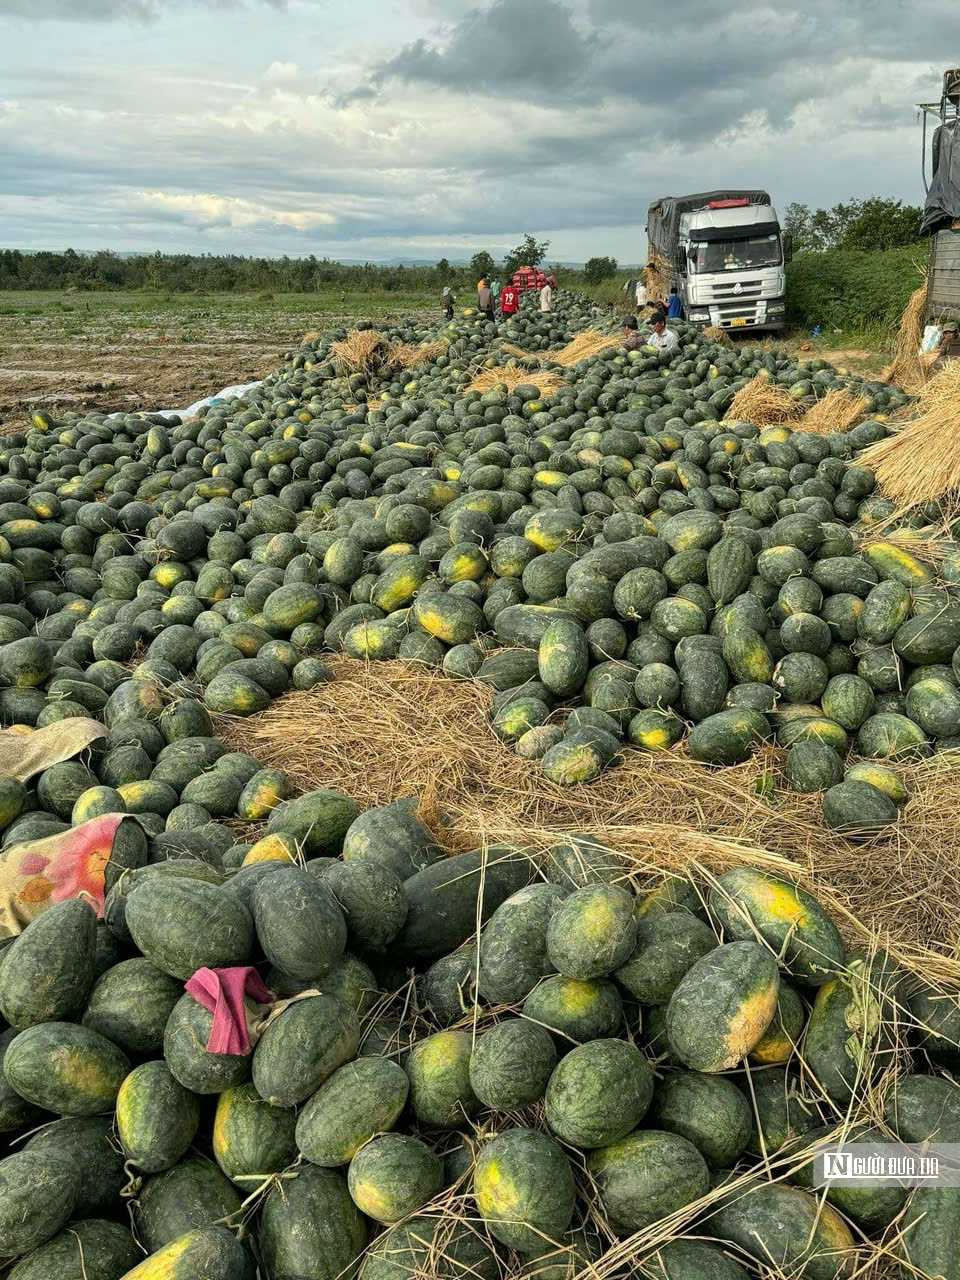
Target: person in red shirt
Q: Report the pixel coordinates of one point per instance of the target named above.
(509, 300)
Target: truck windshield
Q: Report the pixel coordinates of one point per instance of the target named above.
(733, 255)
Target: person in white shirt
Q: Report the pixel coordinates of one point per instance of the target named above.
(661, 337)
(546, 298)
(641, 294)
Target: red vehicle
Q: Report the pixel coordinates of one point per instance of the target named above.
(526, 278)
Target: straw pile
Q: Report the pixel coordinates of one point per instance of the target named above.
(657, 275)
(361, 351)
(763, 404)
(403, 355)
(838, 410)
(921, 462)
(907, 369)
(366, 351)
(379, 731)
(716, 334)
(588, 343)
(511, 376)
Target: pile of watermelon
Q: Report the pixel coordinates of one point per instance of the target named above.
(596, 1066)
(621, 564)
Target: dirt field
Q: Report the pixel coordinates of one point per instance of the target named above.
(115, 352)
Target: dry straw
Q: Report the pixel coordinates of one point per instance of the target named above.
(511, 376)
(590, 342)
(714, 333)
(382, 730)
(368, 352)
(763, 404)
(838, 410)
(907, 369)
(921, 462)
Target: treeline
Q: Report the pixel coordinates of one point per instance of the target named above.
(214, 273)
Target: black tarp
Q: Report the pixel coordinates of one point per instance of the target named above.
(710, 235)
(663, 216)
(943, 198)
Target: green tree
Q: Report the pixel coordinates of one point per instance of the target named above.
(596, 270)
(882, 223)
(442, 269)
(530, 253)
(482, 265)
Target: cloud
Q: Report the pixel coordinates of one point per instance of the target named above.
(107, 10)
(434, 125)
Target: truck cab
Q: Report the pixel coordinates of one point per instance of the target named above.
(726, 257)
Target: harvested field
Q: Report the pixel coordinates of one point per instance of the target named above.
(115, 353)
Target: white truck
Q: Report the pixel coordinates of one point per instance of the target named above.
(724, 253)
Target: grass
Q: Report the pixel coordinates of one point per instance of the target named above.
(142, 309)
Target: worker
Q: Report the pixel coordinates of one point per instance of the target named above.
(661, 337)
(949, 348)
(446, 301)
(641, 292)
(485, 300)
(673, 305)
(633, 340)
(546, 297)
(509, 300)
(495, 290)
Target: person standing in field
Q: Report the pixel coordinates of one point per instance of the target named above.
(446, 301)
(546, 297)
(673, 305)
(485, 300)
(509, 300)
(495, 290)
(640, 290)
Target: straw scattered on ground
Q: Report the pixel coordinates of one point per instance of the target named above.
(511, 376)
(763, 404)
(383, 730)
(907, 369)
(838, 410)
(921, 462)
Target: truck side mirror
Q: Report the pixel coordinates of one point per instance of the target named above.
(787, 246)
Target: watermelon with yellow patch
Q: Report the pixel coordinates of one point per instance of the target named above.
(722, 1006)
(524, 1190)
(262, 794)
(211, 1253)
(278, 846)
(438, 1069)
(747, 902)
(897, 563)
(156, 1117)
(574, 1010)
(779, 1042)
(592, 932)
(802, 1233)
(451, 618)
(65, 1068)
(392, 1176)
(251, 1138)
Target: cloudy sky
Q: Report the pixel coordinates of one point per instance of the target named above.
(381, 128)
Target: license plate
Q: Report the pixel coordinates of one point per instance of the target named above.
(737, 320)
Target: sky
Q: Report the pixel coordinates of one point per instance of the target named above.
(376, 129)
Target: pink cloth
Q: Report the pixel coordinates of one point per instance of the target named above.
(226, 993)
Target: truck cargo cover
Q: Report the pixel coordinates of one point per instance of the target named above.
(663, 216)
(943, 198)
